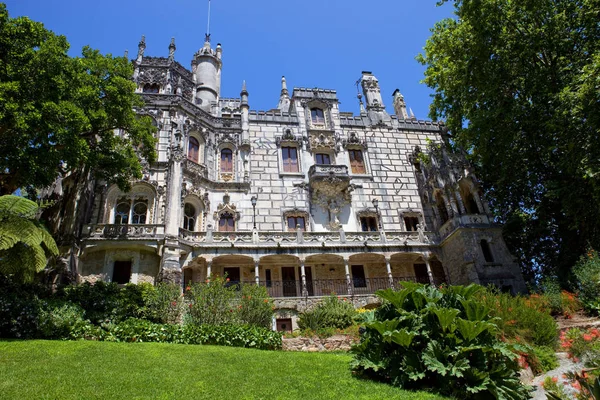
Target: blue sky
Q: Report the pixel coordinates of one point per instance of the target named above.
(313, 43)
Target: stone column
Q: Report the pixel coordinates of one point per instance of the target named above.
(450, 206)
(256, 273)
(388, 268)
(348, 280)
(429, 271)
(459, 202)
(303, 277)
(208, 269)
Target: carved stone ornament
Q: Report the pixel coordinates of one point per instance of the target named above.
(331, 190)
(288, 137)
(227, 138)
(226, 207)
(152, 76)
(177, 154)
(323, 140)
(354, 140)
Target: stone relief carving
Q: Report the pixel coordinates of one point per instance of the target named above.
(288, 137)
(323, 140)
(226, 207)
(354, 140)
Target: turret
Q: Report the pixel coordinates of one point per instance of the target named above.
(372, 92)
(284, 97)
(206, 66)
(399, 105)
(172, 49)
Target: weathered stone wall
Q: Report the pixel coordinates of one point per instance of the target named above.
(92, 267)
(313, 344)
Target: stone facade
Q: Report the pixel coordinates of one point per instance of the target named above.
(304, 199)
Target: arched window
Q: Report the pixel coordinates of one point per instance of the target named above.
(131, 212)
(122, 213)
(226, 160)
(226, 223)
(487, 252)
(151, 88)
(317, 116)
(189, 217)
(193, 149)
(140, 209)
(470, 204)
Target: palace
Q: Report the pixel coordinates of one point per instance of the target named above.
(304, 199)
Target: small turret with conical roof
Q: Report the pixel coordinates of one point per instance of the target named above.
(206, 67)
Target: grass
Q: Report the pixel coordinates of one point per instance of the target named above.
(99, 370)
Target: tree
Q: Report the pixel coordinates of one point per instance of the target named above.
(59, 114)
(25, 245)
(518, 83)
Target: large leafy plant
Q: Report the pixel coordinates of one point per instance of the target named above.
(424, 337)
(25, 245)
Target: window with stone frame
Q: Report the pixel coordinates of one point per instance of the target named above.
(134, 212)
(189, 217)
(368, 224)
(226, 222)
(296, 223)
(357, 161)
(289, 159)
(226, 160)
(322, 159)
(193, 150)
(317, 116)
(486, 250)
(411, 222)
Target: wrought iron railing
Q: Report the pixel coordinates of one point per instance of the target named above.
(338, 287)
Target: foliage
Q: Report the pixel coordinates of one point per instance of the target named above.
(139, 330)
(212, 302)
(59, 318)
(517, 83)
(105, 302)
(20, 308)
(255, 307)
(331, 312)
(25, 244)
(130, 371)
(425, 337)
(541, 359)
(162, 303)
(520, 319)
(581, 386)
(587, 281)
(217, 302)
(58, 113)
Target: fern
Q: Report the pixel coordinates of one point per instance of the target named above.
(25, 244)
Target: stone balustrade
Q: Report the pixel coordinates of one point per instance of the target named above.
(469, 220)
(118, 231)
(307, 239)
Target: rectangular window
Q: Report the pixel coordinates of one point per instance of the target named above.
(411, 223)
(357, 162)
(317, 116)
(226, 160)
(368, 224)
(296, 224)
(358, 276)
(226, 223)
(289, 156)
(121, 272)
(323, 159)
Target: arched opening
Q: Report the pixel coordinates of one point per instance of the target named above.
(441, 207)
(151, 88)
(189, 217)
(468, 198)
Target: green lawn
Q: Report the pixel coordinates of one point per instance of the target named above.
(100, 370)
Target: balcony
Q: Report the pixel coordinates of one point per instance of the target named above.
(117, 231)
(330, 178)
(193, 169)
(464, 221)
(305, 239)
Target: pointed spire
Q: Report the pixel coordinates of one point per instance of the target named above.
(244, 94)
(284, 97)
(172, 49)
(412, 114)
(141, 48)
(284, 90)
(244, 86)
(126, 54)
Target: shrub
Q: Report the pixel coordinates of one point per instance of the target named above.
(525, 320)
(541, 359)
(162, 303)
(582, 345)
(255, 306)
(212, 303)
(424, 337)
(331, 312)
(587, 281)
(557, 301)
(20, 308)
(57, 318)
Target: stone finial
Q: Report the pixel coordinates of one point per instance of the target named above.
(412, 114)
(284, 90)
(360, 104)
(399, 105)
(244, 94)
(284, 97)
(172, 49)
(126, 54)
(141, 48)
